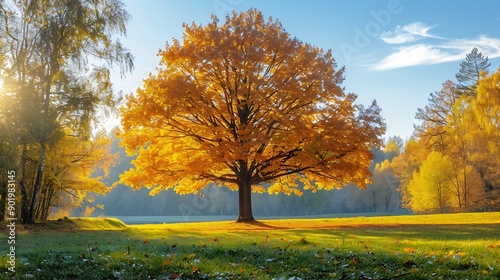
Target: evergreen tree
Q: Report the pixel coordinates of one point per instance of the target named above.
(470, 70)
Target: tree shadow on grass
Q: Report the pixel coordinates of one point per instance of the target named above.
(262, 225)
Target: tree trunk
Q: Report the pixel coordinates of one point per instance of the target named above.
(22, 188)
(38, 184)
(245, 214)
(3, 198)
(466, 190)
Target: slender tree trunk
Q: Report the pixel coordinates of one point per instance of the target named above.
(3, 199)
(22, 187)
(38, 184)
(42, 212)
(245, 214)
(466, 190)
(43, 146)
(388, 197)
(458, 188)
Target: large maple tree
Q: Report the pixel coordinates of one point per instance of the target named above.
(241, 104)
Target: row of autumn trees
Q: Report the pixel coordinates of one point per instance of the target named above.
(55, 65)
(452, 162)
(237, 103)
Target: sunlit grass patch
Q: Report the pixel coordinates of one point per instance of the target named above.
(73, 224)
(86, 224)
(324, 223)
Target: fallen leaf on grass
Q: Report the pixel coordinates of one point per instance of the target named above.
(196, 271)
(166, 262)
(146, 241)
(175, 276)
(495, 245)
(410, 250)
(455, 255)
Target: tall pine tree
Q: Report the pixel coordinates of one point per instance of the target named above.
(470, 69)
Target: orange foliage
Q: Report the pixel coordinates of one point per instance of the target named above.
(243, 103)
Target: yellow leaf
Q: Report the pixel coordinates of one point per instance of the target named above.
(166, 262)
(410, 250)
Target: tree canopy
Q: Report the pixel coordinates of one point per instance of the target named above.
(57, 59)
(243, 103)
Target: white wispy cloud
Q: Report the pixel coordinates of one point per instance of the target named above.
(408, 33)
(445, 51)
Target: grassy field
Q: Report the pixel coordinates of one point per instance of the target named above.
(453, 246)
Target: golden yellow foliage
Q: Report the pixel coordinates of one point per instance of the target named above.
(430, 187)
(70, 169)
(462, 124)
(486, 139)
(391, 147)
(244, 103)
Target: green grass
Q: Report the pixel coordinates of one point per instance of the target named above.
(456, 246)
(78, 224)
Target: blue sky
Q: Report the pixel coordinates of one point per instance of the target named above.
(394, 51)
